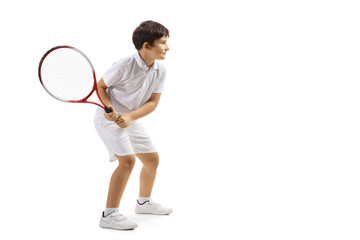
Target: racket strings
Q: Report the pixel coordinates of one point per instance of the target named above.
(67, 74)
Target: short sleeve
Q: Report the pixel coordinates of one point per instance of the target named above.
(114, 74)
(159, 84)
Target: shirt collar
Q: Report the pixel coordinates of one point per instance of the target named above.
(142, 64)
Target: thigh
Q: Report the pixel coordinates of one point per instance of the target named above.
(140, 139)
(115, 138)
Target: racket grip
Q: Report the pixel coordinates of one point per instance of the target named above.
(108, 110)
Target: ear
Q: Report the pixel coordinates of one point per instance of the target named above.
(146, 46)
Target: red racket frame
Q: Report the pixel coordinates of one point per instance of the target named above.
(84, 100)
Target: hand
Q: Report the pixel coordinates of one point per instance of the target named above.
(112, 116)
(124, 120)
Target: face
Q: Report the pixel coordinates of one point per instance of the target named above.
(158, 51)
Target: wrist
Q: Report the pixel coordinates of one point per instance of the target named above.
(132, 116)
(118, 116)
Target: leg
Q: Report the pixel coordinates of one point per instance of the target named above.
(148, 172)
(147, 177)
(119, 180)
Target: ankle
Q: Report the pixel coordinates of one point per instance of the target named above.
(109, 211)
(142, 200)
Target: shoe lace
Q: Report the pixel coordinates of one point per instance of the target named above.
(117, 216)
(154, 204)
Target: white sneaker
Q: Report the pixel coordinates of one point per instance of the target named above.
(151, 207)
(117, 221)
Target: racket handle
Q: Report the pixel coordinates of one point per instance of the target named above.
(108, 110)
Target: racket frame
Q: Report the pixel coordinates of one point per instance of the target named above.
(84, 100)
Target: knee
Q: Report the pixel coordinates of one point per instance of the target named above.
(127, 162)
(152, 161)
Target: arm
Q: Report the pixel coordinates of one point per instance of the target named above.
(102, 92)
(112, 116)
(126, 119)
(147, 108)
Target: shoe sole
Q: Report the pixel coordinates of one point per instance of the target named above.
(138, 212)
(109, 226)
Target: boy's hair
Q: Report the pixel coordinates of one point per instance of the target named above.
(148, 31)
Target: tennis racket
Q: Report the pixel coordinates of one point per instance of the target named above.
(67, 74)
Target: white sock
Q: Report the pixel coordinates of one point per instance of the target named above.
(109, 211)
(142, 200)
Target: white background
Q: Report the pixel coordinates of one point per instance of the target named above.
(258, 129)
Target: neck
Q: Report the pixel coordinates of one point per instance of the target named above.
(147, 59)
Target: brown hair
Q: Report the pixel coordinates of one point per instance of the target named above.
(148, 31)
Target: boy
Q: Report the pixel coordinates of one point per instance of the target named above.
(132, 88)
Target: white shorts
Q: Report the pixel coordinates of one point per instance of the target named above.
(122, 141)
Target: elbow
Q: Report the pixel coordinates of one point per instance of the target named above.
(153, 105)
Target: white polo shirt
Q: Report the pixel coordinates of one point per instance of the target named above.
(130, 82)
